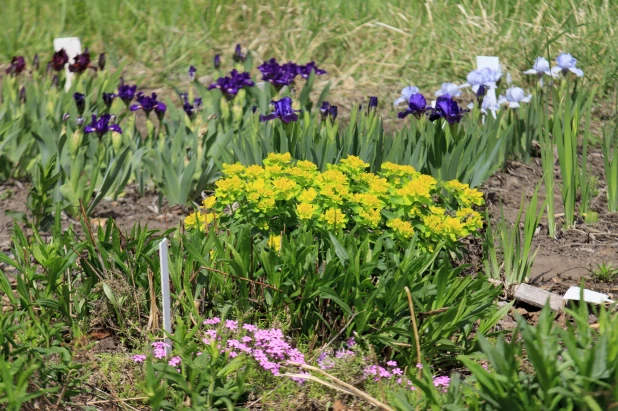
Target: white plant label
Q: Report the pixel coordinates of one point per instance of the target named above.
(165, 291)
(73, 47)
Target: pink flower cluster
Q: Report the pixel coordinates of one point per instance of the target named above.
(443, 381)
(326, 362)
(266, 346)
(159, 349)
(391, 372)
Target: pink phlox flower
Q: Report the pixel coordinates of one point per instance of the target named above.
(249, 327)
(233, 354)
(442, 381)
(231, 324)
(212, 321)
(174, 361)
(342, 353)
(246, 339)
(397, 371)
(383, 373)
(351, 343)
(391, 363)
(139, 358)
(295, 355)
(419, 366)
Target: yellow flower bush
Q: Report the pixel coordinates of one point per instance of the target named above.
(398, 201)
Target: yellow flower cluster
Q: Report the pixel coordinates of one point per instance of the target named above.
(284, 194)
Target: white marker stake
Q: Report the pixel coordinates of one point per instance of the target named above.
(165, 291)
(574, 293)
(73, 47)
(494, 64)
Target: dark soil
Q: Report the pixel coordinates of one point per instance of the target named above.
(564, 261)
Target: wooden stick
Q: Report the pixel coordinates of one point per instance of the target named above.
(416, 337)
(112, 400)
(345, 385)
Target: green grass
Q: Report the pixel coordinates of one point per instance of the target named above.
(365, 45)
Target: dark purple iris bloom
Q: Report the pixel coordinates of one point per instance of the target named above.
(373, 102)
(480, 93)
(18, 64)
(126, 93)
(80, 102)
(324, 109)
(159, 110)
(238, 56)
(192, 71)
(108, 99)
(189, 109)
(448, 109)
(36, 62)
(231, 84)
(277, 74)
(102, 61)
(332, 112)
(283, 111)
(416, 105)
(81, 63)
(146, 103)
(305, 71)
(101, 125)
(197, 103)
(217, 61)
(59, 60)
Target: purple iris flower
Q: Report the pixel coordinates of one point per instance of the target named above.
(373, 102)
(102, 61)
(283, 111)
(417, 105)
(192, 71)
(448, 109)
(18, 64)
(305, 71)
(332, 112)
(101, 125)
(59, 60)
(108, 99)
(197, 103)
(238, 56)
(324, 109)
(277, 74)
(126, 93)
(189, 109)
(80, 102)
(217, 61)
(81, 63)
(159, 110)
(146, 103)
(232, 83)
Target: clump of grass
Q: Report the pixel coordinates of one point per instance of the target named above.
(605, 272)
(361, 43)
